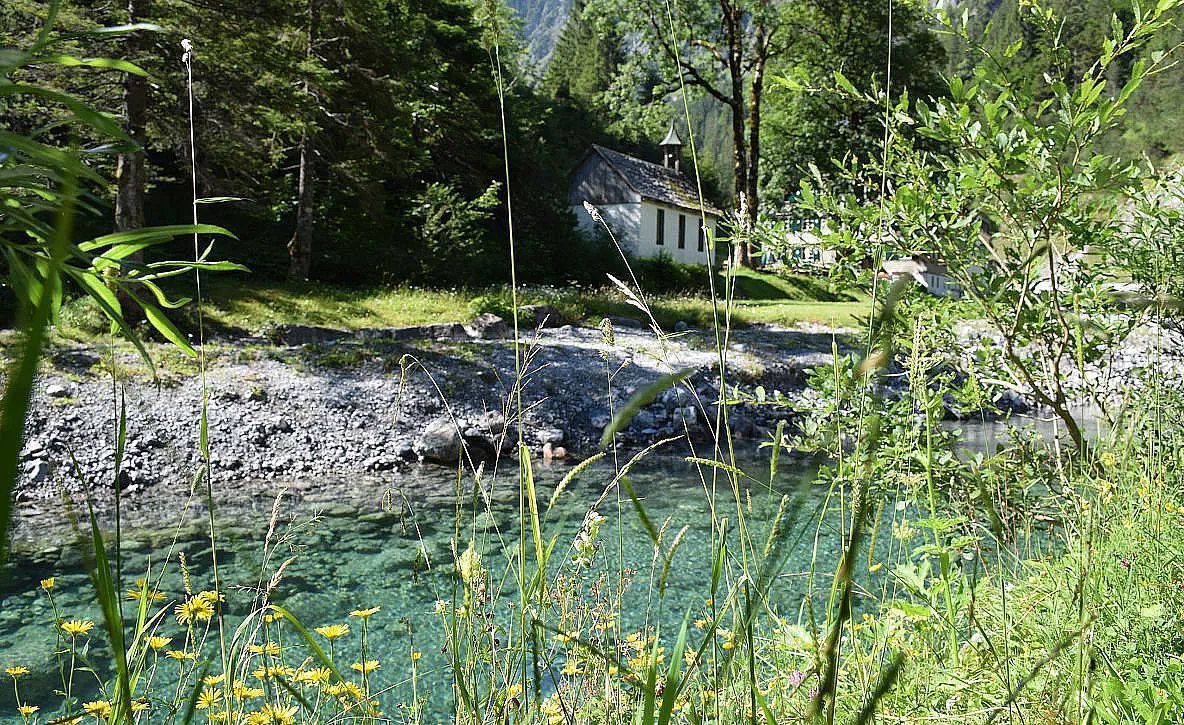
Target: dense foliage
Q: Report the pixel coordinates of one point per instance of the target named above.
(386, 107)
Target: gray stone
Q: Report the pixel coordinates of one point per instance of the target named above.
(305, 334)
(643, 420)
(440, 441)
(37, 471)
(487, 326)
(491, 421)
(57, 390)
(554, 436)
(542, 316)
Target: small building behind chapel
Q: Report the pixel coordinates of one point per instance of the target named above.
(650, 208)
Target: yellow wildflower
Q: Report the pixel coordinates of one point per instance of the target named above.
(270, 648)
(140, 705)
(27, 710)
(364, 613)
(571, 668)
(15, 672)
(159, 643)
(195, 609)
(208, 698)
(47, 584)
(333, 631)
(242, 692)
(180, 655)
(75, 627)
(213, 679)
(211, 597)
(369, 665)
(313, 676)
(553, 710)
(415, 655)
(135, 592)
(273, 671)
(97, 708)
(280, 714)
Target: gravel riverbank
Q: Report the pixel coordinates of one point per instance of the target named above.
(328, 406)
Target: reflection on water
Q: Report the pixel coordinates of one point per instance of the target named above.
(399, 556)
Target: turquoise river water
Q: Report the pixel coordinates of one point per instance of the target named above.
(389, 544)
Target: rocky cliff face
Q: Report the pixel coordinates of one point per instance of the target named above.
(542, 21)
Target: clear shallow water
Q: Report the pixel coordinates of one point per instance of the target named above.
(397, 554)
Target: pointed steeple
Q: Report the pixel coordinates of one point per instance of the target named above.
(671, 149)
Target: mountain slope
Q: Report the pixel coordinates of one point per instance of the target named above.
(542, 21)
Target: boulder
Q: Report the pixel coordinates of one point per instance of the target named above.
(37, 471)
(554, 436)
(57, 390)
(487, 326)
(491, 421)
(304, 334)
(440, 441)
(542, 316)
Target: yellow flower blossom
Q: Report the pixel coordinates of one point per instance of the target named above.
(195, 609)
(282, 714)
(17, 671)
(364, 613)
(212, 680)
(159, 643)
(135, 592)
(273, 671)
(211, 596)
(180, 655)
(208, 698)
(27, 710)
(47, 584)
(333, 631)
(313, 676)
(415, 655)
(367, 666)
(571, 668)
(270, 648)
(553, 710)
(242, 692)
(75, 627)
(97, 708)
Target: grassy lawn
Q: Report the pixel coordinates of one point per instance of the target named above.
(238, 303)
(250, 305)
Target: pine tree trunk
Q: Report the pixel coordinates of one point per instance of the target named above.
(129, 166)
(300, 246)
(130, 174)
(752, 181)
(740, 157)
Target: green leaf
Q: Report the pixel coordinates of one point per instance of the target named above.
(218, 199)
(673, 684)
(108, 63)
(842, 82)
(643, 398)
(165, 327)
(152, 235)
